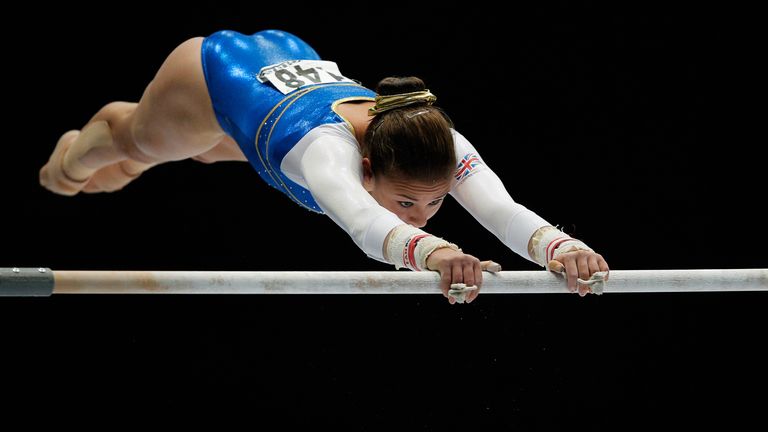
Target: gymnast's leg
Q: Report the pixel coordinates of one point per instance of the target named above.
(174, 120)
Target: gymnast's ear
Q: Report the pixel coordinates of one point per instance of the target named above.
(368, 180)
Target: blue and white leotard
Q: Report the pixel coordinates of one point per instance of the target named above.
(265, 122)
(299, 145)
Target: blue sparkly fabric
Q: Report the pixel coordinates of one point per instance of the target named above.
(265, 122)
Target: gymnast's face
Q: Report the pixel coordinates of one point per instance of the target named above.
(412, 201)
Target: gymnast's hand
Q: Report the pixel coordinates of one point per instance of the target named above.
(456, 267)
(579, 264)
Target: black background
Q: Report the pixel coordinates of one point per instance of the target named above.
(630, 126)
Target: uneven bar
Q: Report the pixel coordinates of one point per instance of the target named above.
(393, 282)
(14, 282)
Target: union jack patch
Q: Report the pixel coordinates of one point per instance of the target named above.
(467, 165)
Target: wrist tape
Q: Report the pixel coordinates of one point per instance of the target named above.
(548, 243)
(410, 247)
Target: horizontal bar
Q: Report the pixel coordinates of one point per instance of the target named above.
(393, 282)
(43, 281)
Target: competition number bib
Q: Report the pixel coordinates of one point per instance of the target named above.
(294, 74)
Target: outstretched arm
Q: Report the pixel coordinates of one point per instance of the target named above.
(173, 121)
(332, 170)
(482, 193)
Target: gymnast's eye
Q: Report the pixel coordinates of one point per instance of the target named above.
(436, 202)
(405, 204)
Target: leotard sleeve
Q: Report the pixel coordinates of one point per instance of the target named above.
(332, 170)
(479, 190)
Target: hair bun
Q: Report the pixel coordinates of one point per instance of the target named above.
(397, 85)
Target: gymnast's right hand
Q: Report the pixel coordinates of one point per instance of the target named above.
(456, 267)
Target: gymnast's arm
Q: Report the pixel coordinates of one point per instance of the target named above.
(483, 194)
(334, 176)
(332, 170)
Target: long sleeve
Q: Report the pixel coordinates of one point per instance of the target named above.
(332, 171)
(479, 190)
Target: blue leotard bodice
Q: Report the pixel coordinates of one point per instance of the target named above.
(265, 122)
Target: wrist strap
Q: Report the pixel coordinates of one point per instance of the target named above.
(549, 242)
(409, 247)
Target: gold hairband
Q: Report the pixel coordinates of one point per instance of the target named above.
(390, 102)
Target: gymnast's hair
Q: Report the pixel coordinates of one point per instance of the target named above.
(408, 138)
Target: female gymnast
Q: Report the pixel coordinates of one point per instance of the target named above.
(378, 164)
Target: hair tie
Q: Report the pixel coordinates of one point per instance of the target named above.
(390, 102)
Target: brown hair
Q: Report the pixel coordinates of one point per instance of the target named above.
(413, 142)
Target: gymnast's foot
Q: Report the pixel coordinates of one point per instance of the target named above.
(52, 175)
(114, 177)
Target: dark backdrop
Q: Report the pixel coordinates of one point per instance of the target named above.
(628, 126)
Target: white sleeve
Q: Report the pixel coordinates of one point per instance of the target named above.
(479, 190)
(333, 173)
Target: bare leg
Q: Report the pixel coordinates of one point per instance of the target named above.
(173, 121)
(88, 160)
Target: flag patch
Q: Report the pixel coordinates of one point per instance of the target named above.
(467, 165)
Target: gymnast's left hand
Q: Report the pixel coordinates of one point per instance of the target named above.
(580, 264)
(456, 267)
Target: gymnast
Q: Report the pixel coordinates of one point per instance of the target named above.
(379, 164)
